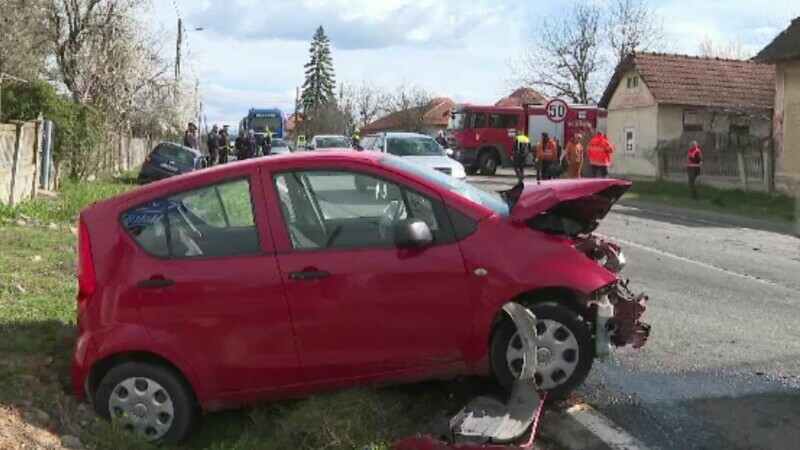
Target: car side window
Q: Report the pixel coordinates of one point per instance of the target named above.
(212, 221)
(477, 120)
(377, 145)
(343, 209)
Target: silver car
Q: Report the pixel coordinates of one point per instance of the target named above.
(419, 148)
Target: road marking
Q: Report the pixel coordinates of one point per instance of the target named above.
(603, 428)
(698, 263)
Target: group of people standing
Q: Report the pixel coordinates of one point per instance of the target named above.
(552, 162)
(219, 146)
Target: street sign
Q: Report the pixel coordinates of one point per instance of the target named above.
(557, 110)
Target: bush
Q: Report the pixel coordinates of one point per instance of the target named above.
(78, 127)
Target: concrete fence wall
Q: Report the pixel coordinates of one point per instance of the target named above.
(20, 147)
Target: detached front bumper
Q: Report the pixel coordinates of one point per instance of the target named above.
(617, 322)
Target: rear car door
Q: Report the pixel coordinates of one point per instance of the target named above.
(209, 285)
(359, 305)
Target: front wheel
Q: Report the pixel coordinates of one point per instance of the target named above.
(487, 163)
(149, 400)
(563, 349)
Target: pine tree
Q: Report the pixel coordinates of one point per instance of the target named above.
(319, 84)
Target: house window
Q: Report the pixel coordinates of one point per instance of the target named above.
(692, 121)
(629, 139)
(633, 82)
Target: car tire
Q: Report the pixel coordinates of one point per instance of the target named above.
(177, 412)
(487, 163)
(574, 362)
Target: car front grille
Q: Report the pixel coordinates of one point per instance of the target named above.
(446, 170)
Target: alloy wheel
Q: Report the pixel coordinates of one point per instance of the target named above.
(143, 406)
(557, 352)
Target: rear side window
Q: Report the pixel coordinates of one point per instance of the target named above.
(181, 156)
(502, 120)
(212, 221)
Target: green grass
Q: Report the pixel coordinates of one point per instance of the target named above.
(733, 201)
(37, 328)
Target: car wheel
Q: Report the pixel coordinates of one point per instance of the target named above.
(149, 400)
(563, 349)
(487, 163)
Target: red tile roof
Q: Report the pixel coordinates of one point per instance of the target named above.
(522, 95)
(436, 114)
(694, 81)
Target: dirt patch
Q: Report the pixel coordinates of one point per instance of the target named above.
(18, 432)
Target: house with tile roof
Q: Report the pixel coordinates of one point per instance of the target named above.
(784, 52)
(655, 98)
(522, 96)
(429, 119)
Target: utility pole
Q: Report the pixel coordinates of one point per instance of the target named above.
(178, 50)
(296, 116)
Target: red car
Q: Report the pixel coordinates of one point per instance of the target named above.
(278, 277)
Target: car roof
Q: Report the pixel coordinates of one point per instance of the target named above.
(175, 144)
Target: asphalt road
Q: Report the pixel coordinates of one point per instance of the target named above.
(722, 367)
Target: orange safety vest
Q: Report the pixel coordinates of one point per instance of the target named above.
(574, 153)
(600, 151)
(550, 153)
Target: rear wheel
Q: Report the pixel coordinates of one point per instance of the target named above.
(563, 350)
(488, 162)
(149, 400)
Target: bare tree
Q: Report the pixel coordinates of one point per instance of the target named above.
(408, 106)
(371, 101)
(564, 58)
(731, 50)
(633, 25)
(23, 44)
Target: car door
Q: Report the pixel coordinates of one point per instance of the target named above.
(359, 305)
(209, 286)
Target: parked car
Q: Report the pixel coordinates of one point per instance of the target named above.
(329, 142)
(279, 147)
(419, 148)
(167, 160)
(277, 277)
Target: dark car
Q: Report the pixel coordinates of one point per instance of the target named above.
(167, 160)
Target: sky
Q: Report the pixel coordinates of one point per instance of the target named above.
(250, 53)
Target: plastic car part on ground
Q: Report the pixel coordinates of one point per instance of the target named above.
(486, 423)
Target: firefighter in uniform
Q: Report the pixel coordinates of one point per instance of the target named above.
(574, 157)
(522, 146)
(600, 150)
(224, 145)
(546, 158)
(694, 164)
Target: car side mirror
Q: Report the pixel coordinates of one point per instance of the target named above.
(412, 233)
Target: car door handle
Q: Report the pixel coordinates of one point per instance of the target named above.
(155, 283)
(302, 276)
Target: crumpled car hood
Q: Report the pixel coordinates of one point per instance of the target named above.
(582, 200)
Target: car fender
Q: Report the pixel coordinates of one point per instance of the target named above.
(128, 337)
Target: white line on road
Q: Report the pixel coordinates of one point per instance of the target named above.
(699, 263)
(604, 429)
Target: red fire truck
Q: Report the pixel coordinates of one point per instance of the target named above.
(482, 137)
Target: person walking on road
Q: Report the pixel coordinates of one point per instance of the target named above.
(190, 136)
(213, 145)
(546, 158)
(267, 145)
(522, 145)
(224, 145)
(441, 139)
(574, 157)
(251, 144)
(600, 150)
(694, 165)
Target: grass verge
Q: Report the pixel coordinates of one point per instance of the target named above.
(37, 328)
(732, 201)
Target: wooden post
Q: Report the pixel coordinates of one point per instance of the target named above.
(769, 167)
(742, 169)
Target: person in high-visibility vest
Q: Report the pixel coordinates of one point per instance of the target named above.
(600, 150)
(522, 145)
(546, 158)
(694, 164)
(574, 157)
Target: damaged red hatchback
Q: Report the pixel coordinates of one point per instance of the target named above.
(280, 277)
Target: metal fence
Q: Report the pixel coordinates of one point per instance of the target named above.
(745, 160)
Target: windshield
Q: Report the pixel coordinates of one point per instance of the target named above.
(458, 121)
(331, 142)
(462, 188)
(413, 146)
(257, 124)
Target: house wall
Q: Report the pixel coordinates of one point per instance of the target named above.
(787, 127)
(670, 121)
(633, 108)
